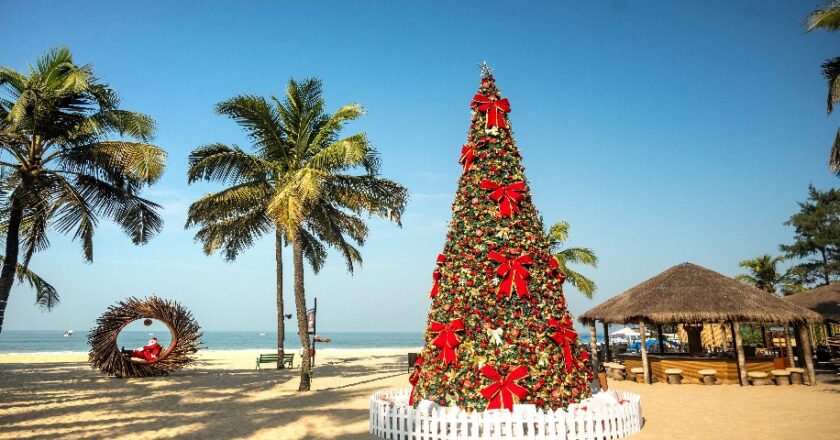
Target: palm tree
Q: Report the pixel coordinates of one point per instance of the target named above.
(59, 168)
(828, 19)
(765, 276)
(285, 177)
(557, 235)
(319, 196)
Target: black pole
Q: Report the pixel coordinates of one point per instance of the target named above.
(314, 329)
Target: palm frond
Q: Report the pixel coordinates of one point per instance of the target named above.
(234, 234)
(258, 118)
(586, 286)
(578, 255)
(46, 297)
(229, 202)
(227, 164)
(831, 72)
(347, 153)
(834, 155)
(827, 18)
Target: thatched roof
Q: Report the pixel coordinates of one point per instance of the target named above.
(688, 293)
(824, 300)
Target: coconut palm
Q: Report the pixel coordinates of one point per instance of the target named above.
(764, 275)
(320, 196)
(286, 188)
(557, 235)
(828, 19)
(58, 166)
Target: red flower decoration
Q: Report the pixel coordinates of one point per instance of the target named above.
(467, 156)
(515, 273)
(507, 196)
(447, 340)
(501, 392)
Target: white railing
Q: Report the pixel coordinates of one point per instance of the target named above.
(598, 418)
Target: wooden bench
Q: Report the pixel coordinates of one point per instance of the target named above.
(288, 359)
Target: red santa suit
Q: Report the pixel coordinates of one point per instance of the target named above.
(149, 352)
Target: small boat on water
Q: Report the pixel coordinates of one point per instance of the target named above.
(68, 333)
(262, 334)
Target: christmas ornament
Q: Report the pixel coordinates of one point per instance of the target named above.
(508, 196)
(494, 108)
(514, 272)
(502, 391)
(447, 340)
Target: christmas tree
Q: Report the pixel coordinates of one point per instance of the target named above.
(498, 332)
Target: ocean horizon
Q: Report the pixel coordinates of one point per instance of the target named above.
(54, 341)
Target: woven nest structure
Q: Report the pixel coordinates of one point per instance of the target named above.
(106, 356)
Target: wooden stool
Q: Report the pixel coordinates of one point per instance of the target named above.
(796, 375)
(782, 377)
(758, 378)
(639, 372)
(709, 376)
(618, 371)
(674, 376)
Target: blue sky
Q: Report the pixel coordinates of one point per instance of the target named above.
(662, 132)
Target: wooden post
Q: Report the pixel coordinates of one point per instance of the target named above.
(645, 365)
(607, 353)
(789, 346)
(764, 337)
(593, 345)
(661, 338)
(806, 353)
(739, 352)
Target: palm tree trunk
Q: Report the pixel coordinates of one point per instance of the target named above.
(281, 324)
(303, 323)
(7, 274)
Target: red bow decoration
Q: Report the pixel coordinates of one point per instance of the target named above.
(555, 266)
(413, 378)
(447, 340)
(436, 275)
(467, 156)
(564, 334)
(501, 392)
(495, 109)
(507, 196)
(515, 273)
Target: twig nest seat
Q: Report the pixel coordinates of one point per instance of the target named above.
(781, 377)
(796, 375)
(674, 375)
(709, 376)
(758, 378)
(639, 372)
(107, 357)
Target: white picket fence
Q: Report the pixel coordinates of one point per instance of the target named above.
(392, 418)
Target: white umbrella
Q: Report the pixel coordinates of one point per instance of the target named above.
(626, 331)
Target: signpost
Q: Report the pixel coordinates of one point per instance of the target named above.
(310, 318)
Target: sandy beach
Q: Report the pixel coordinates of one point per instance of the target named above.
(223, 396)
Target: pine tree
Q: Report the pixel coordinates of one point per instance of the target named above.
(498, 332)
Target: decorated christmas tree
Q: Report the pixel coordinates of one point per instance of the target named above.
(498, 332)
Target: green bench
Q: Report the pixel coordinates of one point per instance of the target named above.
(288, 359)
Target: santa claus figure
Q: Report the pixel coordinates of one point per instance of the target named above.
(148, 353)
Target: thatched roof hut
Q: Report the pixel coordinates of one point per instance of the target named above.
(824, 300)
(688, 293)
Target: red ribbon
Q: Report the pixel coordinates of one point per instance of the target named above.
(515, 273)
(507, 196)
(495, 109)
(447, 340)
(501, 392)
(565, 336)
(414, 377)
(436, 276)
(467, 156)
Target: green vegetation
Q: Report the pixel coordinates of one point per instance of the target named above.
(817, 239)
(60, 168)
(828, 19)
(557, 235)
(765, 276)
(299, 183)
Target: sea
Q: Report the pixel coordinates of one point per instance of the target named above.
(55, 341)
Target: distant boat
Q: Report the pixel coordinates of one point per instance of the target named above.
(68, 333)
(262, 334)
